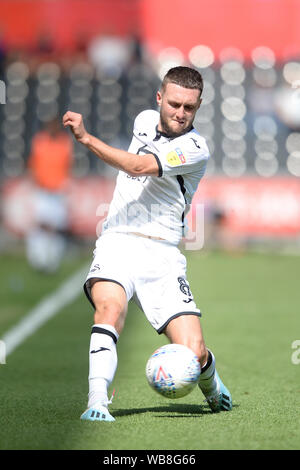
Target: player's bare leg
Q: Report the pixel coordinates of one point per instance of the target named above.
(187, 330)
(110, 301)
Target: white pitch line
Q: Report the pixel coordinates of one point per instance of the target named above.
(46, 309)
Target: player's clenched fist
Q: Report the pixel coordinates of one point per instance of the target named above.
(75, 122)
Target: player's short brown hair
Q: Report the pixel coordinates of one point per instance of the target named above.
(185, 77)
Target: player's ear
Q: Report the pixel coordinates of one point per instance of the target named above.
(159, 97)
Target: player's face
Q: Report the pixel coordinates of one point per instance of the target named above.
(178, 107)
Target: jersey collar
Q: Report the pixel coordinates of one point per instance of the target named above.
(160, 134)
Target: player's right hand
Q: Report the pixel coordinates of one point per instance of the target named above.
(75, 122)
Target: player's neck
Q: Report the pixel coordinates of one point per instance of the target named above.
(162, 132)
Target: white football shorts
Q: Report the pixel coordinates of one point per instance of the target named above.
(152, 273)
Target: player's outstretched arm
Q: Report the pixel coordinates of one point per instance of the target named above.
(134, 165)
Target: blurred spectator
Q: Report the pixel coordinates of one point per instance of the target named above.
(79, 52)
(45, 45)
(109, 53)
(218, 234)
(81, 44)
(137, 47)
(49, 166)
(44, 50)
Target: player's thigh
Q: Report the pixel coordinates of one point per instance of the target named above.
(164, 293)
(110, 301)
(187, 330)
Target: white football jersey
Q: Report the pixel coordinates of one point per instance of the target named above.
(157, 205)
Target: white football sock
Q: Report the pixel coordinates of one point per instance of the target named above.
(102, 362)
(207, 381)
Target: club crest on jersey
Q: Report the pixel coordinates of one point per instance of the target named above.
(176, 157)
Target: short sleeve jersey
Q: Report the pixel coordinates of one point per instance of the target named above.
(157, 205)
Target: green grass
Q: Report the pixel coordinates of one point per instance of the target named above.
(250, 305)
(21, 288)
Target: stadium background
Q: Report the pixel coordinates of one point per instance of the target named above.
(248, 53)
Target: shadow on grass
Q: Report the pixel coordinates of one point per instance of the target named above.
(170, 411)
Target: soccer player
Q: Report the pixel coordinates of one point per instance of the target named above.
(136, 255)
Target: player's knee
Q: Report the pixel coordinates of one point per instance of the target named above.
(109, 311)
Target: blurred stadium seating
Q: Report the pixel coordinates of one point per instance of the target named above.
(250, 113)
(250, 116)
(108, 104)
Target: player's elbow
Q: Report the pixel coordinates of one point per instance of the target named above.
(144, 165)
(137, 171)
(142, 172)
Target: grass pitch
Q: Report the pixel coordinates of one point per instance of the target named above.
(250, 305)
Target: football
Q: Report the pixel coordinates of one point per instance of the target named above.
(173, 370)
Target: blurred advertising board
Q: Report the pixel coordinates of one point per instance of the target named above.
(249, 206)
(86, 198)
(254, 206)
